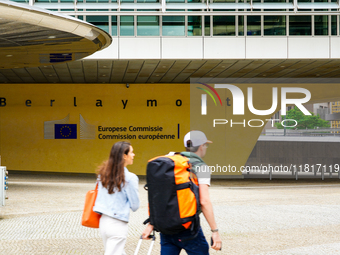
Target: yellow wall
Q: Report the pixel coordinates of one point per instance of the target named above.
(22, 143)
(22, 137)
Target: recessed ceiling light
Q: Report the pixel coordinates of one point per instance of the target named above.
(103, 75)
(157, 75)
(9, 55)
(223, 66)
(104, 66)
(51, 37)
(282, 66)
(264, 75)
(164, 66)
(50, 75)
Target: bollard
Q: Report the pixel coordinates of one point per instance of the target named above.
(3, 185)
(296, 174)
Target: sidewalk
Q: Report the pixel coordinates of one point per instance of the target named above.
(42, 216)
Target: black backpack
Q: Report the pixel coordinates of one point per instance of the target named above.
(173, 195)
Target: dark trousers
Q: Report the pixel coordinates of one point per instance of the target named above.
(173, 244)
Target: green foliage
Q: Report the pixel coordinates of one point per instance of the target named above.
(303, 121)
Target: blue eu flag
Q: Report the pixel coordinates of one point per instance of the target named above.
(65, 131)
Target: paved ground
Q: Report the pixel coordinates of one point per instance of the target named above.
(42, 216)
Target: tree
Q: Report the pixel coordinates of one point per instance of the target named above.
(303, 121)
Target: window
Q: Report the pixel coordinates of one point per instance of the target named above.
(97, 1)
(333, 25)
(321, 25)
(147, 1)
(224, 1)
(45, 1)
(207, 25)
(175, 1)
(173, 25)
(194, 25)
(99, 21)
(274, 25)
(300, 25)
(254, 25)
(223, 25)
(114, 25)
(241, 25)
(127, 26)
(148, 26)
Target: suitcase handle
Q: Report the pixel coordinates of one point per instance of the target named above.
(153, 237)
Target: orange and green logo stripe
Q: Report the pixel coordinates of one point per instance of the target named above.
(209, 93)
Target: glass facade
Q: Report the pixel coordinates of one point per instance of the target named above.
(173, 26)
(254, 25)
(223, 25)
(207, 25)
(300, 25)
(127, 26)
(274, 25)
(148, 26)
(320, 25)
(99, 21)
(114, 31)
(44, 1)
(333, 25)
(194, 25)
(217, 25)
(190, 18)
(240, 25)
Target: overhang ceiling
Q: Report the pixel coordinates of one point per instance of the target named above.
(178, 71)
(31, 36)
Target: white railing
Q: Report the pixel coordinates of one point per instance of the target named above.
(304, 132)
(164, 7)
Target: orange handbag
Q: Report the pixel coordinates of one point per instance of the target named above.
(90, 218)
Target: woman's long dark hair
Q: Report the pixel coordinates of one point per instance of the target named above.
(112, 171)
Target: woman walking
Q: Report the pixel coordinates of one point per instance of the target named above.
(117, 193)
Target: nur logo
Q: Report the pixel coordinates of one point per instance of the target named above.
(238, 99)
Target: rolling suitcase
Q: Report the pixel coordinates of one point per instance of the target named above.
(140, 242)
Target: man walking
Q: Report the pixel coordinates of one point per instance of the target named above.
(196, 144)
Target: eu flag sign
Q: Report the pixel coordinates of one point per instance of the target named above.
(65, 131)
